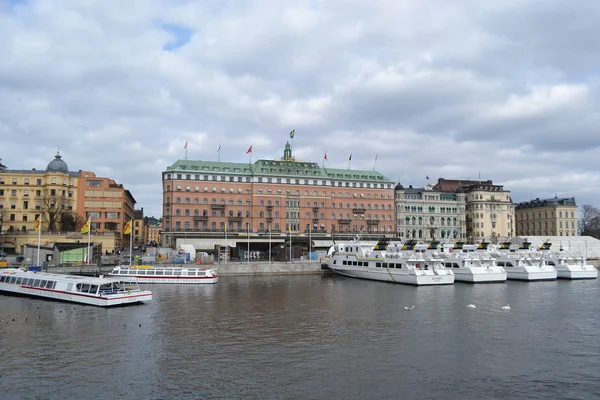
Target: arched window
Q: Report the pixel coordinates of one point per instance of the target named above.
(205, 201)
(187, 213)
(196, 212)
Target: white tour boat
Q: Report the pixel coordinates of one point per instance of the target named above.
(159, 274)
(568, 267)
(388, 263)
(103, 292)
(468, 265)
(523, 264)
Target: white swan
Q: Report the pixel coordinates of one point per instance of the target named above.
(471, 306)
(506, 307)
(409, 308)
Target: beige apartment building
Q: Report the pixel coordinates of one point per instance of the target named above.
(488, 207)
(548, 217)
(278, 197)
(429, 214)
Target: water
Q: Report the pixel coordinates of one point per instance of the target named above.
(309, 337)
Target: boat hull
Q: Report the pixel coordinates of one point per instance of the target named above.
(588, 273)
(532, 275)
(423, 279)
(100, 301)
(480, 275)
(165, 279)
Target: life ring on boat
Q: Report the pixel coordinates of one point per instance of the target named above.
(538, 254)
(450, 251)
(521, 255)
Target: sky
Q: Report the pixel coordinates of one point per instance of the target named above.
(461, 89)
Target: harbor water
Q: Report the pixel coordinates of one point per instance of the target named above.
(309, 337)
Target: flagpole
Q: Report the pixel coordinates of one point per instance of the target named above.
(226, 244)
(375, 162)
(219, 153)
(290, 230)
(349, 160)
(309, 241)
(269, 244)
(39, 241)
(89, 239)
(248, 238)
(131, 235)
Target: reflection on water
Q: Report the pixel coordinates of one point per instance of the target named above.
(309, 337)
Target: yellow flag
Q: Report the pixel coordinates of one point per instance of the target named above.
(86, 228)
(38, 224)
(127, 230)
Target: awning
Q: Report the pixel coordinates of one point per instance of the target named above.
(443, 232)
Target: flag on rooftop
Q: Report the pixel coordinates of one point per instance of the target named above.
(249, 150)
(292, 133)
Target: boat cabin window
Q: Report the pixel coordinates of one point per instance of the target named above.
(19, 281)
(385, 265)
(508, 264)
(334, 261)
(168, 272)
(378, 265)
(176, 272)
(551, 263)
(36, 283)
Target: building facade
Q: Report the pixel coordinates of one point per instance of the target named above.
(154, 230)
(275, 196)
(107, 203)
(140, 234)
(63, 200)
(26, 195)
(490, 212)
(548, 217)
(429, 214)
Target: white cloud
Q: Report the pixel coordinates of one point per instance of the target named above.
(505, 89)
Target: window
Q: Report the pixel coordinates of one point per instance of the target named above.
(92, 183)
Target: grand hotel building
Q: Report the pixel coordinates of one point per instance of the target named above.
(203, 199)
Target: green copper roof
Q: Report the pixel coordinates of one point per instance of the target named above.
(280, 168)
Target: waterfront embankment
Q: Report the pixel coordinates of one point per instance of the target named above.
(239, 269)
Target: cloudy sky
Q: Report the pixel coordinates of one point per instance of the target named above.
(506, 90)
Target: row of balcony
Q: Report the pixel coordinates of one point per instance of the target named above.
(270, 219)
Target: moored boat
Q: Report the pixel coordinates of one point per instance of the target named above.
(389, 264)
(523, 264)
(567, 267)
(160, 274)
(102, 292)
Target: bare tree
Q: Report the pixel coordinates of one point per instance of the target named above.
(53, 207)
(70, 222)
(589, 223)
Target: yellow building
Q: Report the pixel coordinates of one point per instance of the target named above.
(489, 208)
(26, 195)
(154, 229)
(140, 233)
(549, 217)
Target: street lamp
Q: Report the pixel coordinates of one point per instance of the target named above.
(2, 238)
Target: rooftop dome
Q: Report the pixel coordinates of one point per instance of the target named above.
(399, 186)
(460, 190)
(57, 165)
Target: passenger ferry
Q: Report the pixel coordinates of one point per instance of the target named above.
(523, 264)
(567, 267)
(467, 264)
(102, 292)
(383, 262)
(158, 274)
